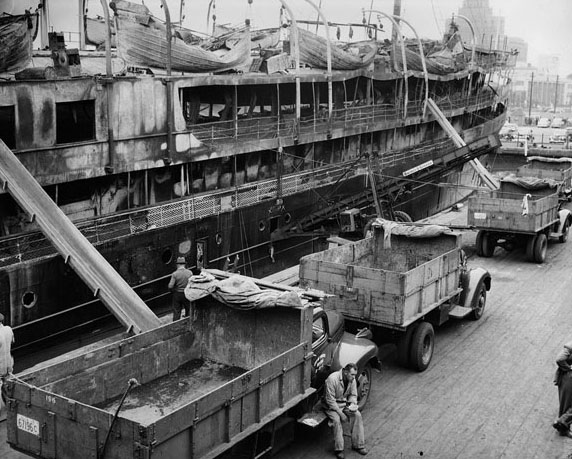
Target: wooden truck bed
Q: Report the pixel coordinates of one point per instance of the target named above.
(386, 286)
(206, 382)
(504, 212)
(559, 171)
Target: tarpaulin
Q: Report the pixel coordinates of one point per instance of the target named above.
(239, 292)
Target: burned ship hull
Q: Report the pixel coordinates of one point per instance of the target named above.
(239, 171)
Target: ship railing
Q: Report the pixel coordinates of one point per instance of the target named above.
(271, 127)
(34, 245)
(250, 128)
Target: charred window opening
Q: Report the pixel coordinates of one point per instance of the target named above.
(8, 126)
(167, 256)
(29, 299)
(75, 121)
(274, 223)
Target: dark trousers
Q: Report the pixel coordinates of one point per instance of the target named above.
(179, 302)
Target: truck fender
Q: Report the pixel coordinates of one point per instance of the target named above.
(564, 216)
(470, 280)
(360, 351)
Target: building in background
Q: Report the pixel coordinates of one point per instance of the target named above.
(489, 29)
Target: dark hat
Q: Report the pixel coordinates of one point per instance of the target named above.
(181, 261)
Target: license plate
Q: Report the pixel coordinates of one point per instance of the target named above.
(480, 216)
(28, 425)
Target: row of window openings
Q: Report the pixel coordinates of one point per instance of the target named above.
(167, 256)
(75, 122)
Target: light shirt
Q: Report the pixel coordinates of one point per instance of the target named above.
(6, 340)
(335, 395)
(179, 279)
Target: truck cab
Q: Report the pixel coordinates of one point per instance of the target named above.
(332, 349)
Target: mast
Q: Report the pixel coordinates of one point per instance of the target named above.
(530, 96)
(81, 24)
(396, 14)
(556, 94)
(44, 21)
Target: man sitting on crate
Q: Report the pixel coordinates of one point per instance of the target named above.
(340, 401)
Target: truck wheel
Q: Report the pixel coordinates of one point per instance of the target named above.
(404, 347)
(364, 386)
(479, 243)
(530, 248)
(479, 301)
(488, 244)
(422, 346)
(540, 246)
(565, 230)
(400, 216)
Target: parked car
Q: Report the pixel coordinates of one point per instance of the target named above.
(557, 123)
(543, 123)
(508, 131)
(525, 133)
(558, 136)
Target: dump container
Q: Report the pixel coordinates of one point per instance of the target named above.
(385, 284)
(513, 208)
(205, 383)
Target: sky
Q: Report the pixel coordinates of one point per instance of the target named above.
(544, 25)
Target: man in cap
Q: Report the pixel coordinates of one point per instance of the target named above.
(6, 360)
(177, 284)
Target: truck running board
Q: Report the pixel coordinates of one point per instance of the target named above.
(460, 312)
(313, 418)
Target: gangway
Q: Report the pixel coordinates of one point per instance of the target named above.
(487, 178)
(77, 251)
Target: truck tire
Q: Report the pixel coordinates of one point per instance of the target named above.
(404, 347)
(565, 230)
(400, 216)
(364, 382)
(530, 248)
(479, 301)
(540, 246)
(488, 244)
(422, 346)
(479, 243)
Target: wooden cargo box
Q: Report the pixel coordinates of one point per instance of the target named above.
(513, 208)
(391, 286)
(561, 171)
(206, 382)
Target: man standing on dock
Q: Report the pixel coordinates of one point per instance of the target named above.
(177, 284)
(6, 360)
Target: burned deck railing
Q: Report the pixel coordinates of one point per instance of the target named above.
(261, 128)
(34, 245)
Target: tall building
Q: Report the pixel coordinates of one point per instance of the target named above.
(489, 29)
(549, 63)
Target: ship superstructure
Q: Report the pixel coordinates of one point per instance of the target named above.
(242, 169)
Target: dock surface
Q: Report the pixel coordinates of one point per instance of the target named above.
(488, 392)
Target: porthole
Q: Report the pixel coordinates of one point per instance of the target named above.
(218, 238)
(261, 225)
(167, 256)
(29, 299)
(287, 218)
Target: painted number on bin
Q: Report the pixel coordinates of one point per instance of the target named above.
(28, 425)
